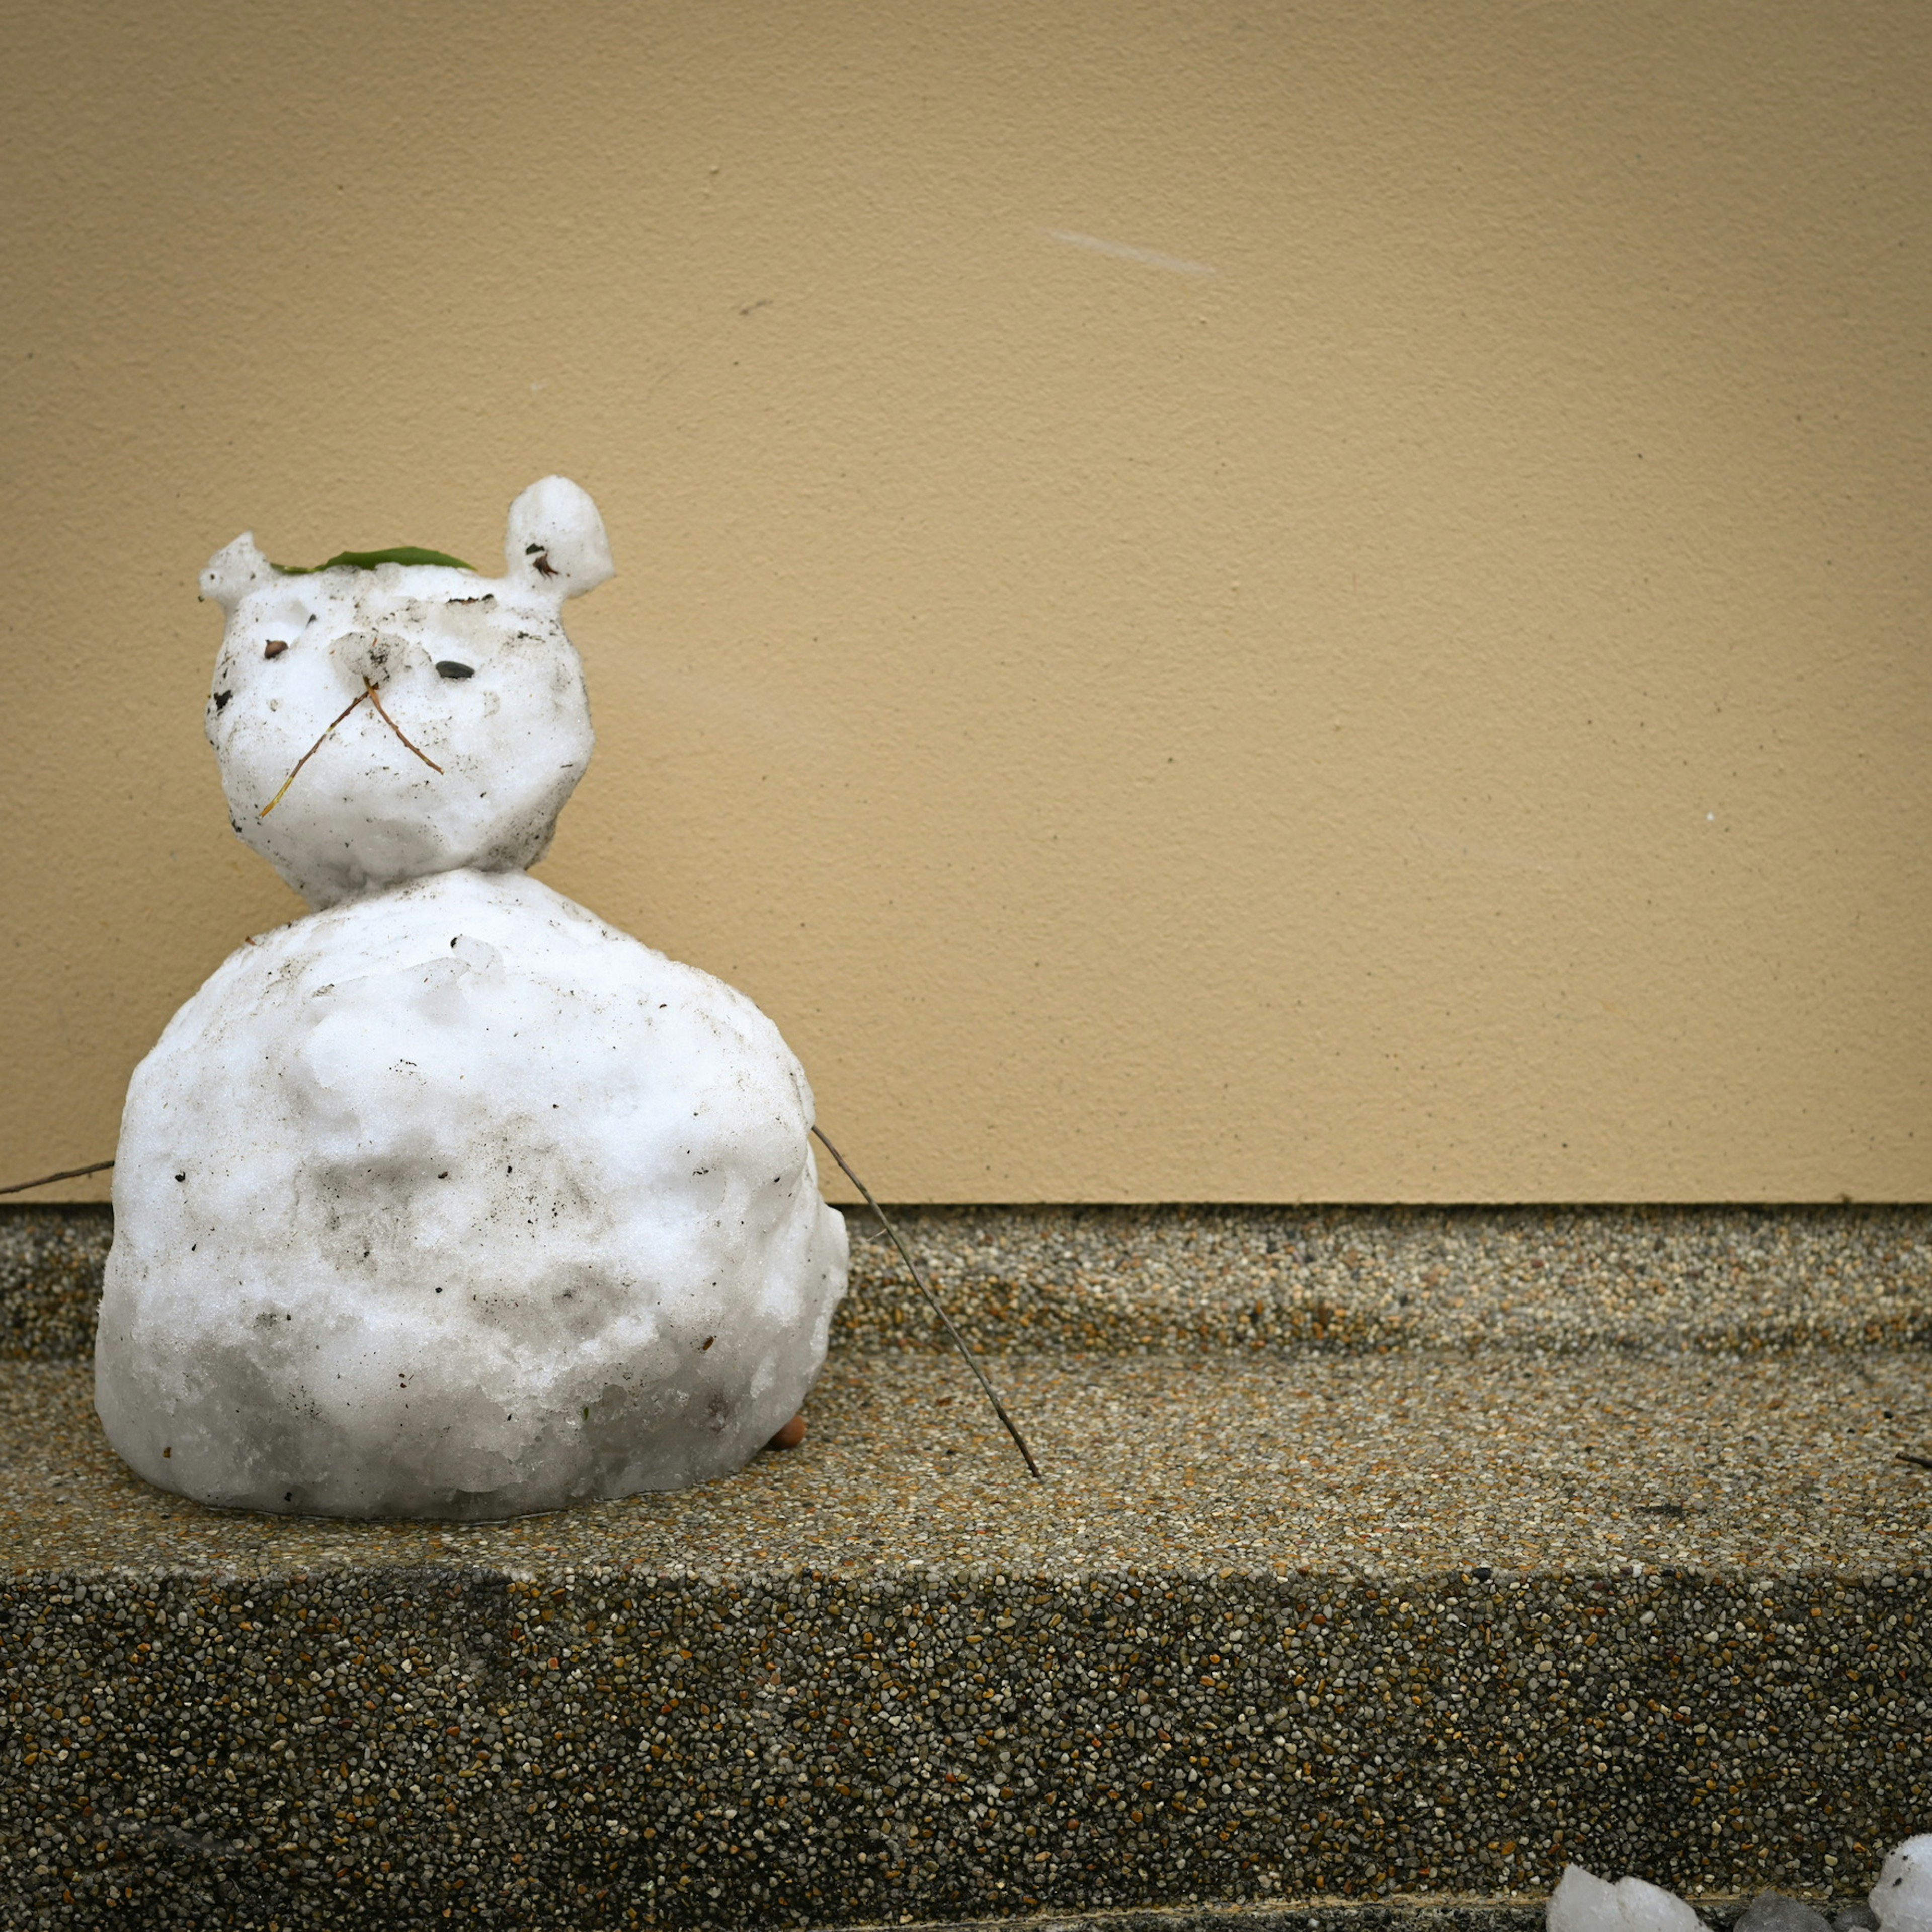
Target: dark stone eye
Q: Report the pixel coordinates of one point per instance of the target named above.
(221, 698)
(449, 667)
(276, 646)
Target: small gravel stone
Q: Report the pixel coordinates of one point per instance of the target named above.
(1773, 1912)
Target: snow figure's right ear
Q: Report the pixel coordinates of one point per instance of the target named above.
(233, 572)
(556, 539)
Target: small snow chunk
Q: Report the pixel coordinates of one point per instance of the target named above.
(1583, 1903)
(1902, 1896)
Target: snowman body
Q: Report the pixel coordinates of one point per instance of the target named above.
(448, 1200)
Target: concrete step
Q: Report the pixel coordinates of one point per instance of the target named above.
(1383, 1631)
(1214, 1279)
(1445, 1651)
(1190, 1280)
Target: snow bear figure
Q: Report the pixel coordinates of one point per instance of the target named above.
(448, 1200)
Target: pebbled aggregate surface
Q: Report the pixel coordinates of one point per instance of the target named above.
(50, 1263)
(1210, 1280)
(1192, 1279)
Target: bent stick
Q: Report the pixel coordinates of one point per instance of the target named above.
(932, 1302)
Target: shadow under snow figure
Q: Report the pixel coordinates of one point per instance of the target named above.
(448, 1200)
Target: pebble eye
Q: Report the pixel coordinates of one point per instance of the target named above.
(275, 647)
(449, 667)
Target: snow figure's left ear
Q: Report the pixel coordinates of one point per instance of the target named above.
(235, 570)
(556, 540)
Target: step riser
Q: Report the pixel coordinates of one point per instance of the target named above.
(840, 1749)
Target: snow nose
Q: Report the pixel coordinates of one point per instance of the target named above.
(375, 657)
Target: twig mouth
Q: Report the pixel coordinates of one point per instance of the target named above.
(371, 695)
(368, 696)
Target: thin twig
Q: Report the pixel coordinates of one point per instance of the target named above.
(368, 690)
(371, 693)
(65, 1174)
(932, 1302)
(1920, 1461)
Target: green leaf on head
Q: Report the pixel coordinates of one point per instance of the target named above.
(368, 560)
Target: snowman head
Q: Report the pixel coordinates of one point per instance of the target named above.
(376, 721)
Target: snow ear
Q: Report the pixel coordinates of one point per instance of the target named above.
(556, 540)
(231, 573)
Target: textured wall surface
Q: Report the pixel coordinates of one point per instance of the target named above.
(1271, 602)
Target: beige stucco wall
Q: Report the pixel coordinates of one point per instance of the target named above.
(1414, 684)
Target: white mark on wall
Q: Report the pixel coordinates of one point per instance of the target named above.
(1126, 252)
